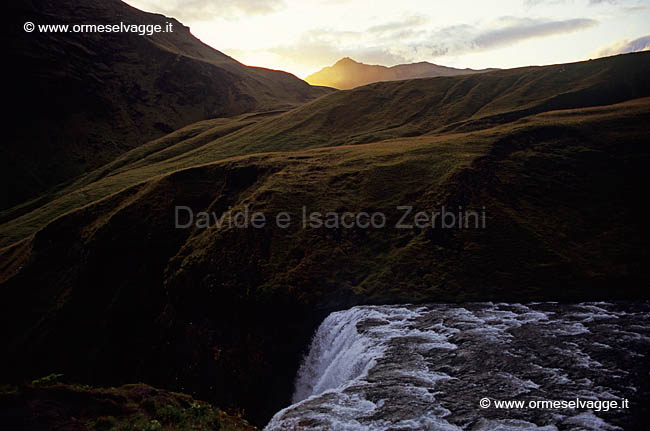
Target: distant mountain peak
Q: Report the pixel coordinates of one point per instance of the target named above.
(347, 73)
(346, 60)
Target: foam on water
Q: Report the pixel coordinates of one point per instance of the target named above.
(340, 353)
(425, 368)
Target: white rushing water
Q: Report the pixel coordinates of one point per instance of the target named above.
(427, 367)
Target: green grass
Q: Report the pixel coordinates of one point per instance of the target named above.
(100, 97)
(101, 261)
(374, 113)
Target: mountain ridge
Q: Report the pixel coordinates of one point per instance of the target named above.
(372, 113)
(556, 155)
(347, 73)
(95, 96)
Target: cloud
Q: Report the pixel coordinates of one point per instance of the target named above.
(531, 3)
(505, 31)
(373, 45)
(522, 29)
(205, 10)
(593, 2)
(398, 26)
(317, 48)
(408, 40)
(625, 46)
(318, 54)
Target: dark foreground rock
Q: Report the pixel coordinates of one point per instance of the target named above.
(47, 405)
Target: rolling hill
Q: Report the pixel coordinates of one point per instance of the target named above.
(368, 114)
(347, 73)
(555, 155)
(78, 100)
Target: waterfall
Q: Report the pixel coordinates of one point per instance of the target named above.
(338, 354)
(341, 352)
(412, 368)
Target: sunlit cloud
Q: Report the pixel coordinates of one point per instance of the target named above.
(521, 29)
(205, 10)
(625, 46)
(406, 41)
(589, 2)
(399, 26)
(303, 37)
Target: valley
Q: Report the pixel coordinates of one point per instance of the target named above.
(140, 233)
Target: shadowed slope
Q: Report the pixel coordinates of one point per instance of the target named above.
(77, 100)
(116, 284)
(373, 113)
(47, 405)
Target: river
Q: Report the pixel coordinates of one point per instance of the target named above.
(428, 368)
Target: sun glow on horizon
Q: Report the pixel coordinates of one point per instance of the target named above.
(303, 37)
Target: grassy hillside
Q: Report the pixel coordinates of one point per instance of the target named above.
(383, 111)
(115, 284)
(78, 100)
(97, 273)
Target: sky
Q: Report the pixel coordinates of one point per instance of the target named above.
(303, 36)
